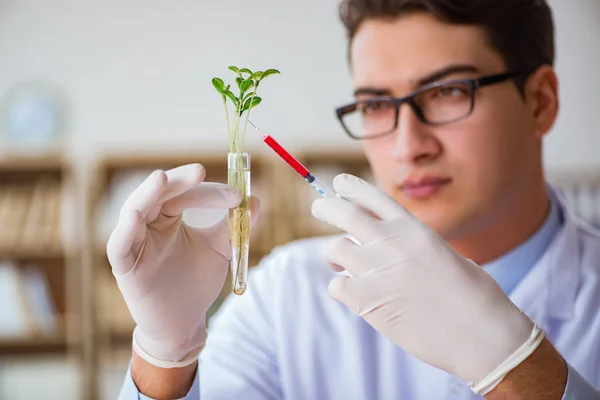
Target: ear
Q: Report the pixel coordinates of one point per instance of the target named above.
(541, 94)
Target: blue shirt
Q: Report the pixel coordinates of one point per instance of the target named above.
(245, 356)
(509, 269)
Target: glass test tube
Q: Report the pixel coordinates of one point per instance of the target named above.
(238, 175)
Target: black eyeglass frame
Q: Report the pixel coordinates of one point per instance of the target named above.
(474, 84)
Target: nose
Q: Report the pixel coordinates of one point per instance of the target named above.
(414, 141)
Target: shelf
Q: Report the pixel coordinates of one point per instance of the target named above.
(120, 339)
(34, 254)
(33, 345)
(40, 285)
(140, 160)
(32, 162)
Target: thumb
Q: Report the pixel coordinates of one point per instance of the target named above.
(218, 233)
(341, 288)
(368, 197)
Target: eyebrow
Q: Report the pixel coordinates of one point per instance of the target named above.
(427, 79)
(449, 70)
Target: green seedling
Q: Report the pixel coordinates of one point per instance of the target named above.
(247, 83)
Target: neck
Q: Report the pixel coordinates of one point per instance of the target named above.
(500, 234)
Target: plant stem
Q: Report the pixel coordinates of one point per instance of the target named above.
(248, 113)
(237, 127)
(228, 124)
(239, 220)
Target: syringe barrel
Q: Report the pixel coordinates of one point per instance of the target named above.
(319, 186)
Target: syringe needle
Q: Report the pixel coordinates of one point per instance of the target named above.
(257, 130)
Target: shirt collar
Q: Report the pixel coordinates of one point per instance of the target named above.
(509, 269)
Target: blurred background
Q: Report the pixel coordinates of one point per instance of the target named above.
(96, 94)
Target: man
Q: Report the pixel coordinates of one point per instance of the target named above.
(453, 100)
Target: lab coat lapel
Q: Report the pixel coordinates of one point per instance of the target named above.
(550, 288)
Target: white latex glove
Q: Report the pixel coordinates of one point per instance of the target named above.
(170, 273)
(413, 288)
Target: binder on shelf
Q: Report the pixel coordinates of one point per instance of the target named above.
(27, 309)
(39, 301)
(14, 318)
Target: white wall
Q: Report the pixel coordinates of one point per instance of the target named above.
(137, 73)
(575, 141)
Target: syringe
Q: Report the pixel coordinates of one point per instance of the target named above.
(308, 176)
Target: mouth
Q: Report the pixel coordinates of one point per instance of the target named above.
(423, 188)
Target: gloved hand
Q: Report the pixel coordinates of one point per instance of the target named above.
(170, 273)
(413, 288)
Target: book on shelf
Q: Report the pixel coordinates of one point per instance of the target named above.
(30, 216)
(27, 309)
(14, 321)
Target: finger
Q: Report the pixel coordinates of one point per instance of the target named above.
(341, 288)
(179, 180)
(368, 196)
(145, 196)
(333, 265)
(182, 179)
(347, 216)
(218, 233)
(160, 186)
(119, 247)
(346, 254)
(353, 293)
(207, 195)
(336, 268)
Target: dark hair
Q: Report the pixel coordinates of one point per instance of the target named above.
(521, 30)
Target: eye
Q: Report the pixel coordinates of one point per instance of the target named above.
(452, 91)
(374, 106)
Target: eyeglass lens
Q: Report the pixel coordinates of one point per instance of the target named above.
(438, 105)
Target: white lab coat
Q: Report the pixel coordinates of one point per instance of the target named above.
(287, 339)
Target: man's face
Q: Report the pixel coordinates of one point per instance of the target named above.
(453, 177)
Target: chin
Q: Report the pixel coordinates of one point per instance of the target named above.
(440, 224)
(437, 215)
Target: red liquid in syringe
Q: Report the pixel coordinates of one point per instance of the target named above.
(298, 167)
(310, 178)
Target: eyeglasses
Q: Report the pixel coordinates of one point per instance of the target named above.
(438, 103)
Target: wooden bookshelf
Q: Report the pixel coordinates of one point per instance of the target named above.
(33, 346)
(39, 261)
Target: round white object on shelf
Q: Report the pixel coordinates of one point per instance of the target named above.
(33, 115)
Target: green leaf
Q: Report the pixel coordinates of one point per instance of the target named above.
(258, 75)
(239, 81)
(231, 97)
(245, 70)
(218, 84)
(234, 69)
(245, 85)
(248, 95)
(270, 72)
(251, 103)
